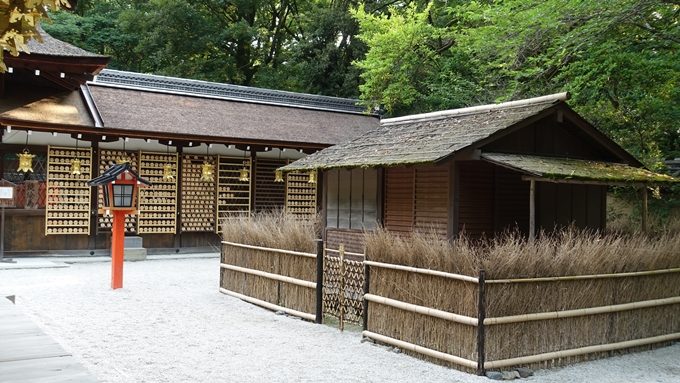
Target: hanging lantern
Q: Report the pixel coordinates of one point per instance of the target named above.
(75, 167)
(243, 175)
(167, 172)
(207, 172)
(312, 177)
(278, 176)
(25, 161)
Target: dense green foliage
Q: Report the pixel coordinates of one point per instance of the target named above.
(294, 45)
(620, 60)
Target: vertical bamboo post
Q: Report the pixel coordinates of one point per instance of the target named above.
(367, 284)
(532, 210)
(481, 314)
(319, 281)
(341, 293)
(645, 207)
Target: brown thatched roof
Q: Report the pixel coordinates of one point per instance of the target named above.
(163, 112)
(424, 138)
(569, 169)
(50, 46)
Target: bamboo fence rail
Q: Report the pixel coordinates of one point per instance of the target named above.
(268, 305)
(269, 249)
(443, 274)
(276, 277)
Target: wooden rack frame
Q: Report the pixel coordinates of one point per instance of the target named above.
(157, 204)
(300, 196)
(67, 208)
(198, 209)
(233, 196)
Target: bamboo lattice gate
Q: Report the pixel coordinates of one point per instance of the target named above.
(343, 286)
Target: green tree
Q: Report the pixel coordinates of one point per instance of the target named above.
(620, 61)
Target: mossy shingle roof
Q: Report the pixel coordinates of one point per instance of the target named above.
(420, 140)
(50, 46)
(565, 169)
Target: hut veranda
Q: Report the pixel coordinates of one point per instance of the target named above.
(69, 119)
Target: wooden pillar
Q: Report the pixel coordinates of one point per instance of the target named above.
(644, 212)
(319, 280)
(253, 173)
(177, 243)
(481, 315)
(532, 210)
(94, 196)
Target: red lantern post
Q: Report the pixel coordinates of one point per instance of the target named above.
(120, 185)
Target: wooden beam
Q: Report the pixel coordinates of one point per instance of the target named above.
(644, 213)
(582, 182)
(532, 211)
(39, 126)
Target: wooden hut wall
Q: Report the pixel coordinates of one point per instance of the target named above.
(417, 198)
(494, 199)
(553, 138)
(351, 206)
(476, 198)
(560, 205)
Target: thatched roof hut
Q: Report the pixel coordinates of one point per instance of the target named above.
(528, 165)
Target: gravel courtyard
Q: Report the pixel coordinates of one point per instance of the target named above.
(170, 324)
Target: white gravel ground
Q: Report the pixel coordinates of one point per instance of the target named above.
(170, 324)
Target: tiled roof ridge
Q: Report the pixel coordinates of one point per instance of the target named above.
(201, 88)
(547, 99)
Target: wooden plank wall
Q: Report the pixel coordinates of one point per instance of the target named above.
(476, 207)
(417, 198)
(432, 199)
(494, 199)
(399, 196)
(511, 201)
(560, 205)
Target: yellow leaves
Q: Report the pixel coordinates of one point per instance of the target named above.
(18, 23)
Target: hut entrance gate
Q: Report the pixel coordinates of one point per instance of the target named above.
(343, 286)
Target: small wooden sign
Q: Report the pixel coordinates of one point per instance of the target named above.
(7, 193)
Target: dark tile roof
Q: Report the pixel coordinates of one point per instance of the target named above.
(53, 47)
(228, 91)
(564, 169)
(424, 138)
(144, 110)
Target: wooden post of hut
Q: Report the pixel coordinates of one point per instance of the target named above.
(532, 210)
(645, 207)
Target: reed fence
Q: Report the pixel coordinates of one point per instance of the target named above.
(277, 279)
(476, 324)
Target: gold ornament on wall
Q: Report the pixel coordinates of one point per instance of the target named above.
(75, 167)
(278, 176)
(25, 161)
(168, 175)
(207, 172)
(244, 175)
(312, 177)
(123, 160)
